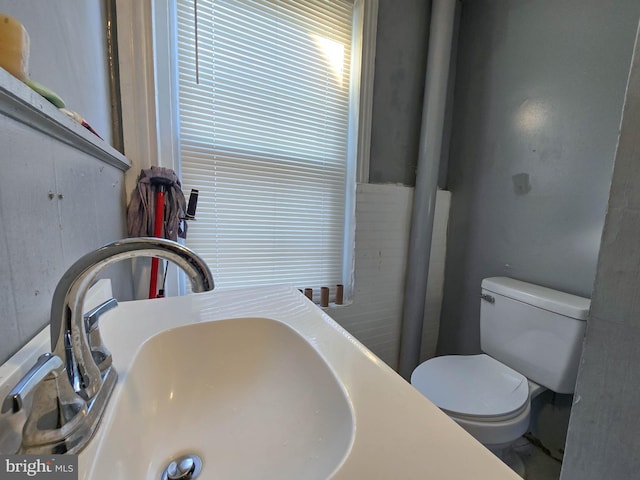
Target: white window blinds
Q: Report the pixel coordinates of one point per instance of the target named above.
(266, 134)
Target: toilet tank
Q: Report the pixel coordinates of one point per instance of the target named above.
(535, 330)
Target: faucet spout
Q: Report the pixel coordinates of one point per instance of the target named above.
(68, 334)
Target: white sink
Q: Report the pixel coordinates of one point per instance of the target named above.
(261, 384)
(250, 396)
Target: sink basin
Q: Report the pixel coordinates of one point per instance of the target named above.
(250, 396)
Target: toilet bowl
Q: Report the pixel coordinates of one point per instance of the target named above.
(488, 399)
(531, 337)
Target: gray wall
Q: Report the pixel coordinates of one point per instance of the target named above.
(42, 237)
(603, 432)
(401, 57)
(538, 95)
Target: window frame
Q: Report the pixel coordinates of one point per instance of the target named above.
(149, 98)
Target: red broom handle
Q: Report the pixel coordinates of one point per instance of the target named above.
(157, 232)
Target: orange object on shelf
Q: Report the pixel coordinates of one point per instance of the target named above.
(14, 47)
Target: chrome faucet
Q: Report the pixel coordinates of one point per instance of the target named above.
(63, 419)
(68, 333)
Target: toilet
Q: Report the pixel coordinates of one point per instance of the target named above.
(531, 337)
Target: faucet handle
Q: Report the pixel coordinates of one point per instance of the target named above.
(46, 364)
(56, 409)
(92, 316)
(99, 351)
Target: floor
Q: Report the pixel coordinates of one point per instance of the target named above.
(538, 465)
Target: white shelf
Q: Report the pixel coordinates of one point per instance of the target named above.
(21, 103)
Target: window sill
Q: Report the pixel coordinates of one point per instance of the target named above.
(19, 102)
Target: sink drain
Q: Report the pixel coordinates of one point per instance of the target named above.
(187, 467)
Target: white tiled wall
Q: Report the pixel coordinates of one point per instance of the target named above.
(383, 216)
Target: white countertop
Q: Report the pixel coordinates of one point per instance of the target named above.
(399, 434)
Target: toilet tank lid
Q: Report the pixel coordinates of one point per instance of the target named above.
(546, 298)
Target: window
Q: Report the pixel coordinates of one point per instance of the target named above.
(268, 106)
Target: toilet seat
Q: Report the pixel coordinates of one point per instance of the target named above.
(473, 387)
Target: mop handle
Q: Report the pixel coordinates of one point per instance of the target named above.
(157, 232)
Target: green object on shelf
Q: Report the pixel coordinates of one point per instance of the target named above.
(46, 93)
